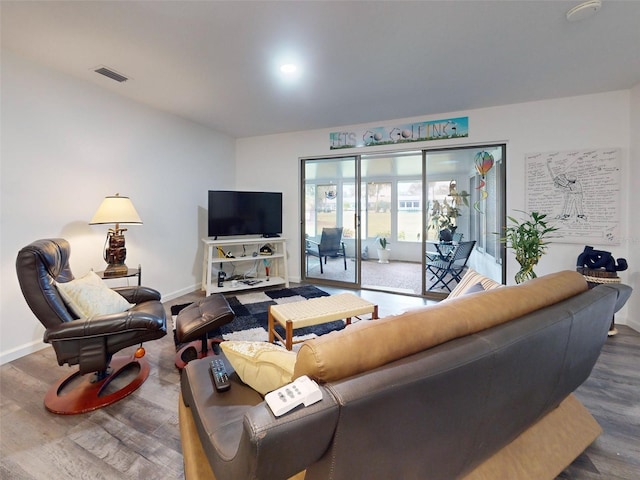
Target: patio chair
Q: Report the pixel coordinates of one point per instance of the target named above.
(451, 267)
(444, 248)
(331, 245)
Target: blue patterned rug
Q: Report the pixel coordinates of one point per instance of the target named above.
(250, 309)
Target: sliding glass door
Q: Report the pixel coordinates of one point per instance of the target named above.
(392, 212)
(330, 225)
(402, 201)
(465, 202)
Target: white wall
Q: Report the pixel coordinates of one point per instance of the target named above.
(66, 144)
(590, 121)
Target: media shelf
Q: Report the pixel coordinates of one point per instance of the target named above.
(246, 253)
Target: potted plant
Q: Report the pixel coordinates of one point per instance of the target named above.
(444, 214)
(527, 238)
(383, 251)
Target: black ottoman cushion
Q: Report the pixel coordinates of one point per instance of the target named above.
(199, 318)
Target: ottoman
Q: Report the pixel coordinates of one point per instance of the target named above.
(194, 323)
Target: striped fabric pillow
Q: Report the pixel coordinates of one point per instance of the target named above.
(470, 282)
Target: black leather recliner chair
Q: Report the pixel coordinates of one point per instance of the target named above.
(92, 342)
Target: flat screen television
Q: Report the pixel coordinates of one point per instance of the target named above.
(244, 213)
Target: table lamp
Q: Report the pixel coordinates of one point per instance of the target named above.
(118, 210)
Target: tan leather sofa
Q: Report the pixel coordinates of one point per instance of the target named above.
(478, 387)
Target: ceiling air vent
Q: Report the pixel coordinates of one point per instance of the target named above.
(107, 72)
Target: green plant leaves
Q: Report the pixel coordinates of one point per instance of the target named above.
(528, 238)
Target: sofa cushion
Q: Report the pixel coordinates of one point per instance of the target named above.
(469, 284)
(261, 365)
(350, 351)
(89, 296)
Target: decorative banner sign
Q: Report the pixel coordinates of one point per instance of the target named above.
(404, 133)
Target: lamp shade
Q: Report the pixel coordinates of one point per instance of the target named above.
(116, 209)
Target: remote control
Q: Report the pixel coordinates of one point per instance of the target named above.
(219, 375)
(303, 391)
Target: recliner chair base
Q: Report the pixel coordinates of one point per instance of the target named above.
(88, 394)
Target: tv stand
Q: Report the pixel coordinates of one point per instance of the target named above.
(239, 253)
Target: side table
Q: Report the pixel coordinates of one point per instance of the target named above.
(595, 277)
(131, 272)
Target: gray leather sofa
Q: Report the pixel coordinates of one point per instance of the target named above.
(478, 387)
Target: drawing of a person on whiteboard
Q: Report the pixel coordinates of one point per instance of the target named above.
(572, 190)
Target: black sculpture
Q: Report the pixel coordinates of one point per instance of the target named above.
(598, 259)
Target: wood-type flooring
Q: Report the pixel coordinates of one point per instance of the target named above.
(138, 437)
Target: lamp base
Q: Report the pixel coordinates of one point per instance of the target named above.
(116, 270)
(116, 254)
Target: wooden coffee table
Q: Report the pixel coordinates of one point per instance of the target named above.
(316, 311)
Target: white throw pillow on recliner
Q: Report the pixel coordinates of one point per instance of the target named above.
(89, 296)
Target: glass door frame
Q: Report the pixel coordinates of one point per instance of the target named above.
(339, 182)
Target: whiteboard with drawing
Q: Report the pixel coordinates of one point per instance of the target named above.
(579, 190)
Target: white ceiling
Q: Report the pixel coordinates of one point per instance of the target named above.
(216, 62)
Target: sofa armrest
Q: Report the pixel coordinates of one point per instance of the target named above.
(295, 440)
(623, 293)
(244, 440)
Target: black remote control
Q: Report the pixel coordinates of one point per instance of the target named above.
(219, 375)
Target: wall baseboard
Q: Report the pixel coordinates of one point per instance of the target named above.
(37, 345)
(632, 323)
(21, 351)
(179, 293)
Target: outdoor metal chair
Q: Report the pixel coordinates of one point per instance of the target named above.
(331, 245)
(446, 271)
(443, 249)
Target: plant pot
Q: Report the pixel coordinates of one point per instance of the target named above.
(383, 255)
(525, 273)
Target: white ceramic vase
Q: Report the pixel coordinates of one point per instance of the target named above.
(383, 255)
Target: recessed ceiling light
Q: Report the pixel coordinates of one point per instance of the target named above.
(288, 68)
(584, 10)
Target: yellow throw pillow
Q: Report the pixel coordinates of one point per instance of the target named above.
(469, 282)
(90, 296)
(261, 365)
